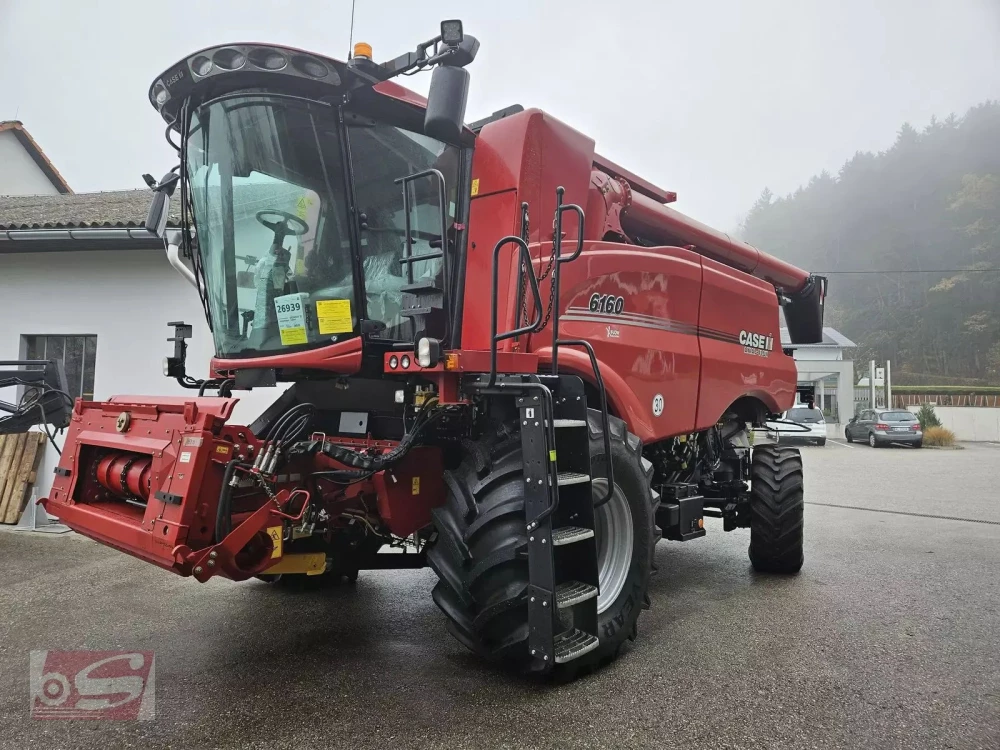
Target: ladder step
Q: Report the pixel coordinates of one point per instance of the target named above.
(557, 423)
(569, 535)
(570, 593)
(572, 477)
(572, 644)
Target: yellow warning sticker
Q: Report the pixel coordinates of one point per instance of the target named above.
(275, 533)
(223, 449)
(552, 455)
(302, 207)
(415, 487)
(475, 186)
(334, 316)
(292, 336)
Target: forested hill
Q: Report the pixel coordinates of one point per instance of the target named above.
(932, 201)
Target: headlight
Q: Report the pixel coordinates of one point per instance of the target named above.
(428, 352)
(393, 362)
(166, 366)
(405, 361)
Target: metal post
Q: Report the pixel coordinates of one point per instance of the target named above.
(871, 384)
(888, 384)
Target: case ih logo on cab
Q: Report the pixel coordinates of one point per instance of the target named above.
(116, 685)
(758, 344)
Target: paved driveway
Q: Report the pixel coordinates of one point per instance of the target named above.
(890, 637)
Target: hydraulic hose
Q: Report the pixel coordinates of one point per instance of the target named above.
(223, 514)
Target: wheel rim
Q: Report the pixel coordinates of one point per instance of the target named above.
(871, 440)
(615, 539)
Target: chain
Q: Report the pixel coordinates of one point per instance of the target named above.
(524, 295)
(267, 489)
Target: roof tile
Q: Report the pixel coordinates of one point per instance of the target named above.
(119, 208)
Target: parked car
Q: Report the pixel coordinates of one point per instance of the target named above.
(880, 427)
(813, 426)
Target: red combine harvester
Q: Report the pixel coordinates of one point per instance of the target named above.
(509, 358)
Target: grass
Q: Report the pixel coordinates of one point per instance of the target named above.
(939, 436)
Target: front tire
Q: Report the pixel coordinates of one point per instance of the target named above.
(821, 442)
(776, 510)
(480, 557)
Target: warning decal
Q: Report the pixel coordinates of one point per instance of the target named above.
(275, 533)
(334, 316)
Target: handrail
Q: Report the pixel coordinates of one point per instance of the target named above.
(605, 429)
(524, 258)
(557, 342)
(559, 260)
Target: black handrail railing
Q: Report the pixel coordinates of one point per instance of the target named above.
(524, 259)
(557, 342)
(408, 258)
(605, 429)
(559, 260)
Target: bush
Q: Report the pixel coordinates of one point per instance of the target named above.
(928, 418)
(938, 436)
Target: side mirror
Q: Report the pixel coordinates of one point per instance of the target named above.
(446, 100)
(852, 420)
(159, 206)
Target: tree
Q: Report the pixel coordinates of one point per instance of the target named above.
(929, 204)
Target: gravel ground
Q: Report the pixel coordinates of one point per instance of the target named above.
(888, 638)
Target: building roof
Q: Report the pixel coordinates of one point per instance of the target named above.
(35, 152)
(831, 338)
(120, 208)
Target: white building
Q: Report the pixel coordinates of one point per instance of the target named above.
(82, 281)
(823, 365)
(24, 168)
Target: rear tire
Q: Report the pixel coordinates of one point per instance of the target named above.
(776, 510)
(821, 442)
(873, 441)
(481, 561)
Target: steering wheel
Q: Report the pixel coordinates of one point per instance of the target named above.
(284, 225)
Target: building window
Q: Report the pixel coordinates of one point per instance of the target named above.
(76, 353)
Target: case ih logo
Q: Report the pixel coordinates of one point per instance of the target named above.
(116, 685)
(757, 344)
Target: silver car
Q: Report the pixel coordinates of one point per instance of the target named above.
(879, 427)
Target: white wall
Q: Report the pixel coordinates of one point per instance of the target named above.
(969, 423)
(19, 175)
(814, 353)
(125, 298)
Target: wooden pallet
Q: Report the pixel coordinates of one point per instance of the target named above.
(19, 457)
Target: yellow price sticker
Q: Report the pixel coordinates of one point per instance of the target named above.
(275, 533)
(334, 316)
(292, 336)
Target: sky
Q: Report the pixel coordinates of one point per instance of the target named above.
(714, 99)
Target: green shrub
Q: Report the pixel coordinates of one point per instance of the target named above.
(938, 436)
(928, 418)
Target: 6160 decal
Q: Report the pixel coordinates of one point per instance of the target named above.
(607, 303)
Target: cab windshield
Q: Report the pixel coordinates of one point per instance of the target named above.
(283, 267)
